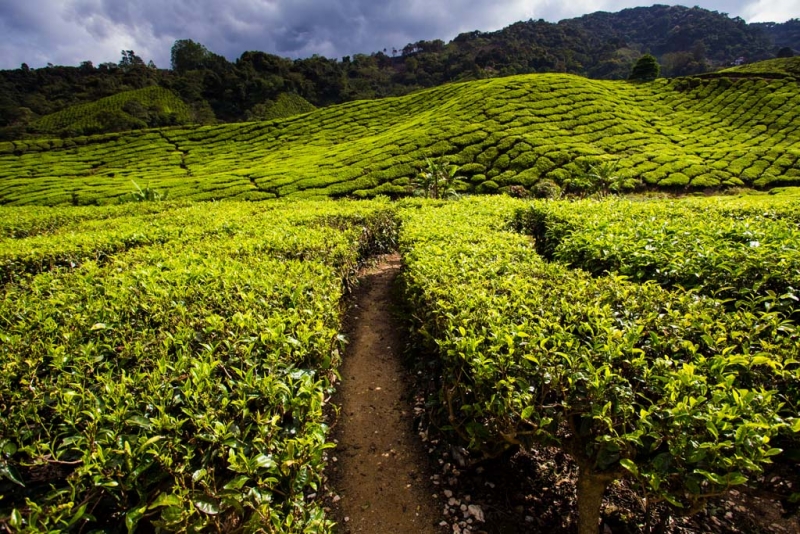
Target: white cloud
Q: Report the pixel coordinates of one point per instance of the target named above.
(771, 10)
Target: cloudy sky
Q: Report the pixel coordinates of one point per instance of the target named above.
(66, 32)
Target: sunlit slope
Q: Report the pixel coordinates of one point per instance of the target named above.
(683, 133)
(132, 109)
(788, 66)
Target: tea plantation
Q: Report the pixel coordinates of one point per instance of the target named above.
(166, 365)
(685, 392)
(125, 111)
(779, 66)
(168, 368)
(679, 134)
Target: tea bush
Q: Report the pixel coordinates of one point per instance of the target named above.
(745, 254)
(665, 387)
(140, 108)
(179, 385)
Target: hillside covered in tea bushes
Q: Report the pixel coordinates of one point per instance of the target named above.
(150, 107)
(539, 132)
(779, 66)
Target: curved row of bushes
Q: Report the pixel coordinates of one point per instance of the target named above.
(533, 132)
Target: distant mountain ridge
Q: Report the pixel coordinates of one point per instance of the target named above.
(672, 29)
(600, 45)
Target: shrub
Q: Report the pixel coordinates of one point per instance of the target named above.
(472, 168)
(676, 179)
(661, 387)
(705, 180)
(646, 69)
(546, 188)
(436, 181)
(517, 191)
(489, 186)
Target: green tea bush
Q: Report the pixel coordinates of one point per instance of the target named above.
(180, 386)
(286, 105)
(787, 66)
(546, 189)
(140, 108)
(666, 388)
(677, 179)
(744, 254)
(489, 186)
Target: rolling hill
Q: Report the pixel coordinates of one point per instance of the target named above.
(680, 134)
(782, 66)
(140, 108)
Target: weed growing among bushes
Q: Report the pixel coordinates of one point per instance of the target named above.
(144, 195)
(437, 181)
(601, 179)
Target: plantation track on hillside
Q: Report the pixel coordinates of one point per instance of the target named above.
(685, 133)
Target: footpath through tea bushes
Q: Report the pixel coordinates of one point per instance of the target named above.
(381, 473)
(166, 366)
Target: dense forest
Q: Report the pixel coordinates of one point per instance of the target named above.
(601, 45)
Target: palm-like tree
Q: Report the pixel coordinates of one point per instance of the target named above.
(437, 180)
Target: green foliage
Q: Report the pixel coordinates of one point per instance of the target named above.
(143, 195)
(603, 178)
(600, 45)
(185, 379)
(286, 105)
(685, 134)
(677, 179)
(187, 55)
(166, 365)
(436, 181)
(742, 252)
(787, 66)
(142, 108)
(546, 189)
(517, 191)
(646, 69)
(489, 186)
(668, 388)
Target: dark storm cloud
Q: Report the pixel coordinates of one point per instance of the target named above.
(70, 31)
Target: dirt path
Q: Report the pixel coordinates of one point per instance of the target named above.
(380, 474)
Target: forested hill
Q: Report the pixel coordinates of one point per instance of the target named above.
(600, 45)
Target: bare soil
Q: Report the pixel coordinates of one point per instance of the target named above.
(533, 491)
(380, 478)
